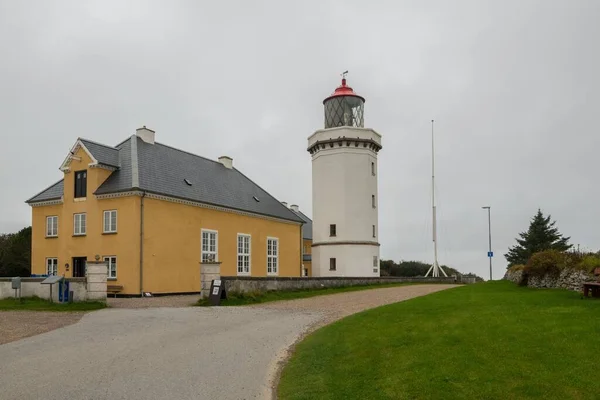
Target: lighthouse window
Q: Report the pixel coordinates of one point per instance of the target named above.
(373, 230)
(332, 266)
(332, 230)
(373, 200)
(373, 168)
(344, 111)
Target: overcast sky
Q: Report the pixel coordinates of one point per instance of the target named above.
(512, 85)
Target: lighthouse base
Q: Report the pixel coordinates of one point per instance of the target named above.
(348, 259)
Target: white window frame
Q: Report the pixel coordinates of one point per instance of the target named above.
(209, 252)
(54, 266)
(248, 255)
(111, 228)
(80, 232)
(54, 232)
(111, 266)
(273, 259)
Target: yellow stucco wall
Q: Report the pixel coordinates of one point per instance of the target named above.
(172, 238)
(172, 244)
(307, 249)
(124, 244)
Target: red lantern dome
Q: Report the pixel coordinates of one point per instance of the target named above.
(344, 90)
(344, 107)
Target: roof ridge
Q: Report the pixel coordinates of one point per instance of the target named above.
(186, 152)
(302, 214)
(123, 142)
(99, 144)
(49, 187)
(135, 174)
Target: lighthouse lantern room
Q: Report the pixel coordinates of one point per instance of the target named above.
(344, 107)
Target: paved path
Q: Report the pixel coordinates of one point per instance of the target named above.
(178, 353)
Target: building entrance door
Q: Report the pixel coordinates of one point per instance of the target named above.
(79, 267)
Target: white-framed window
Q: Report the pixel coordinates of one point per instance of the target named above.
(375, 265)
(272, 256)
(110, 221)
(243, 254)
(51, 266)
(79, 224)
(52, 226)
(210, 246)
(111, 262)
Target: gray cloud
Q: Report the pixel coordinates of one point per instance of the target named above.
(513, 87)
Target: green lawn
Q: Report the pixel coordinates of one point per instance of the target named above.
(484, 341)
(37, 304)
(240, 299)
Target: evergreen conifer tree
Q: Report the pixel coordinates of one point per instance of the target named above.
(541, 235)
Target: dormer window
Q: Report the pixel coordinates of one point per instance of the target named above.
(80, 184)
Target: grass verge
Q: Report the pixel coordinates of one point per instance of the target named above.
(240, 299)
(37, 304)
(485, 341)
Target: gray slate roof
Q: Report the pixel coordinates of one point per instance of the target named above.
(160, 169)
(52, 193)
(102, 153)
(307, 227)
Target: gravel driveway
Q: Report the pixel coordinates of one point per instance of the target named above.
(182, 353)
(16, 325)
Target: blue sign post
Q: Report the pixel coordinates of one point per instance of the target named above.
(490, 254)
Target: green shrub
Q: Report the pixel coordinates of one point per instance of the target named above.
(549, 262)
(515, 268)
(589, 263)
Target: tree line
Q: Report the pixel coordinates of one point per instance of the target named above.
(416, 268)
(15, 253)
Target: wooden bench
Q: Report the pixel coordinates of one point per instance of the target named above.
(114, 289)
(593, 287)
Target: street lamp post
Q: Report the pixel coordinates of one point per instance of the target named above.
(490, 254)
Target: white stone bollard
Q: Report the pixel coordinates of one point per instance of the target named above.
(96, 274)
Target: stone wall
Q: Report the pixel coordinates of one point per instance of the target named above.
(513, 276)
(248, 284)
(571, 279)
(33, 287)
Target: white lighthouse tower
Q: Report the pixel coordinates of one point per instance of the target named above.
(344, 189)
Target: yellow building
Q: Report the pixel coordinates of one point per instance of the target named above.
(155, 213)
(306, 241)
